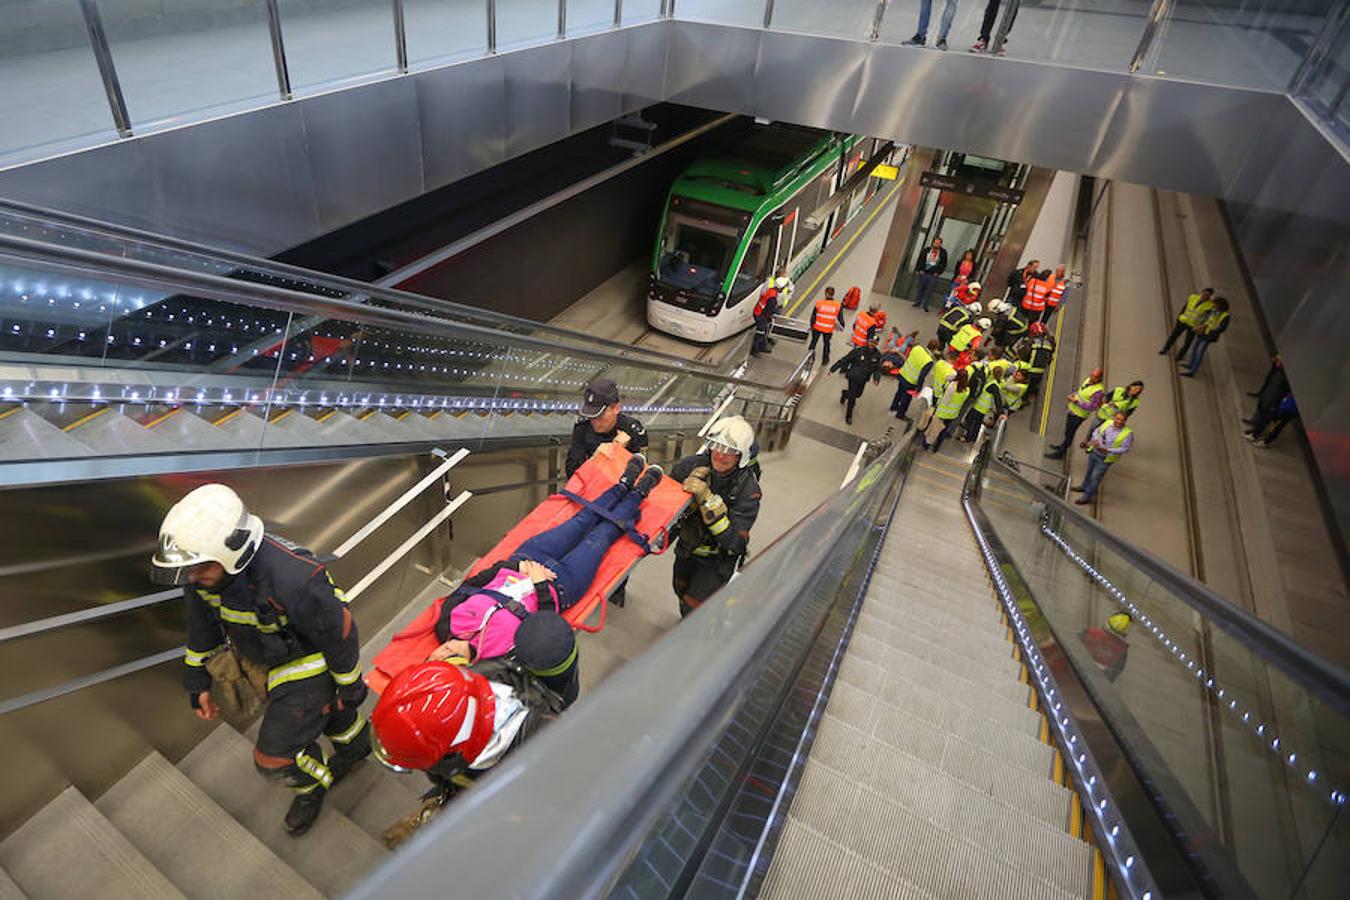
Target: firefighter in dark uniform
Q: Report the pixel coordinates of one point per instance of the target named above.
(602, 421)
(1038, 349)
(263, 611)
(713, 535)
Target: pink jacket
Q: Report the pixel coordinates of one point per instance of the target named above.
(490, 628)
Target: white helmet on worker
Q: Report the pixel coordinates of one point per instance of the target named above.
(211, 524)
(975, 308)
(781, 282)
(733, 434)
(975, 287)
(983, 324)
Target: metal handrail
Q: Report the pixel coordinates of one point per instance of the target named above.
(218, 287)
(632, 743)
(1326, 680)
(359, 289)
(1129, 871)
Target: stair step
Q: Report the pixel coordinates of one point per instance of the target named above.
(374, 798)
(909, 781)
(983, 614)
(981, 670)
(26, 435)
(201, 849)
(68, 849)
(8, 889)
(988, 639)
(929, 843)
(807, 865)
(332, 856)
(900, 676)
(927, 737)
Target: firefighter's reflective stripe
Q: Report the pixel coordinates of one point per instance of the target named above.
(297, 670)
(721, 525)
(706, 550)
(348, 677)
(314, 769)
(199, 657)
(246, 617)
(559, 668)
(337, 591)
(347, 735)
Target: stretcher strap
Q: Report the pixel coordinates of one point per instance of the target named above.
(627, 527)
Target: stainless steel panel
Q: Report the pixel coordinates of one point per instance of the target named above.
(645, 69)
(795, 73)
(113, 182)
(712, 66)
(244, 182)
(537, 96)
(462, 113)
(597, 80)
(364, 150)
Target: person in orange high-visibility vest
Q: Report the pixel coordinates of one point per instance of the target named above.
(1058, 285)
(864, 323)
(825, 321)
(1038, 289)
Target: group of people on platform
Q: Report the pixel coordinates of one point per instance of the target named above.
(269, 629)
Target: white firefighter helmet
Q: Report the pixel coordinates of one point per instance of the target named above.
(975, 287)
(975, 308)
(732, 434)
(782, 282)
(210, 524)
(983, 324)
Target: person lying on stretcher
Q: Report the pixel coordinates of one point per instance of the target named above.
(551, 571)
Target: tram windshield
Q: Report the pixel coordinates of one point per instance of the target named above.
(699, 243)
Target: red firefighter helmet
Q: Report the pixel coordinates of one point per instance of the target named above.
(1038, 328)
(430, 710)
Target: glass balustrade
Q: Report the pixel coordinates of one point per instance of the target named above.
(1251, 763)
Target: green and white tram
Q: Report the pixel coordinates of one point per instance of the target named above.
(733, 219)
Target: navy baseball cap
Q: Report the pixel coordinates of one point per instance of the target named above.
(599, 394)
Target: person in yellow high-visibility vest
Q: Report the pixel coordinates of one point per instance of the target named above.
(1108, 443)
(1191, 317)
(948, 404)
(1083, 402)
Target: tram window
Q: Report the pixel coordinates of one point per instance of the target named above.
(755, 266)
(695, 257)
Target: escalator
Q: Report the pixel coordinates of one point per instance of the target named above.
(915, 692)
(134, 367)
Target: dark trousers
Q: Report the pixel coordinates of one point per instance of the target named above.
(823, 336)
(945, 335)
(1177, 331)
(760, 342)
(696, 578)
(1071, 425)
(900, 405)
(1263, 420)
(297, 713)
(974, 419)
(850, 395)
(926, 282)
(1048, 315)
(573, 550)
(991, 16)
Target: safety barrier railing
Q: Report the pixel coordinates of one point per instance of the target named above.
(111, 610)
(657, 751)
(1233, 732)
(1153, 38)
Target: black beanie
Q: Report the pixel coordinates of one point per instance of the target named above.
(547, 648)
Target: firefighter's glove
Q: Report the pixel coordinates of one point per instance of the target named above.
(351, 695)
(697, 483)
(237, 693)
(712, 509)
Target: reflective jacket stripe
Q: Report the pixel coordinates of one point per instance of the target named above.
(345, 678)
(244, 617)
(914, 363)
(721, 525)
(297, 670)
(199, 658)
(862, 323)
(314, 768)
(949, 409)
(346, 736)
(1057, 293)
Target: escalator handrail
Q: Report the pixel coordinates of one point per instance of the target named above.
(335, 282)
(629, 745)
(1326, 680)
(257, 294)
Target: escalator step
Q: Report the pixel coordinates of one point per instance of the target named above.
(810, 866)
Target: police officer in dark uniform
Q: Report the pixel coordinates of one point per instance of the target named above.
(262, 607)
(713, 535)
(602, 421)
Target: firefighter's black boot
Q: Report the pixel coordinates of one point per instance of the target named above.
(304, 811)
(346, 756)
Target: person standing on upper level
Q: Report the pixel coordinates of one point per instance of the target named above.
(1108, 443)
(945, 28)
(932, 263)
(987, 28)
(827, 318)
(1209, 331)
(1058, 286)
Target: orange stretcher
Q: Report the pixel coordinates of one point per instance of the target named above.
(598, 474)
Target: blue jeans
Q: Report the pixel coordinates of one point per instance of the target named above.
(900, 404)
(926, 281)
(1096, 470)
(926, 10)
(573, 550)
(1198, 354)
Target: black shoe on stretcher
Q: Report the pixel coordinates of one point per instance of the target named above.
(632, 470)
(649, 480)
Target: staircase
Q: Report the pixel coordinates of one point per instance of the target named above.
(928, 777)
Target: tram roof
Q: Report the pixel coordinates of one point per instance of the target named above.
(759, 162)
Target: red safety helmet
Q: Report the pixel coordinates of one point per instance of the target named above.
(1038, 328)
(431, 710)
